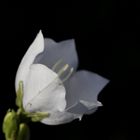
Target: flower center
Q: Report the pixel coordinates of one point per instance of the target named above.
(63, 70)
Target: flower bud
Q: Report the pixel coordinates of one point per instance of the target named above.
(23, 133)
(10, 124)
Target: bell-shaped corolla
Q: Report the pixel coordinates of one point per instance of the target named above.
(52, 84)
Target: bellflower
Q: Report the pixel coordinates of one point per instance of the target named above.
(52, 85)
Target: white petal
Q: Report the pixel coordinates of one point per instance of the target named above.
(75, 112)
(36, 47)
(58, 117)
(43, 90)
(84, 85)
(64, 50)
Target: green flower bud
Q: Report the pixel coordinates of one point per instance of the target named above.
(23, 133)
(10, 125)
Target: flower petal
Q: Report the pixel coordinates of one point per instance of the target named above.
(36, 47)
(75, 112)
(43, 91)
(58, 117)
(84, 85)
(84, 107)
(64, 50)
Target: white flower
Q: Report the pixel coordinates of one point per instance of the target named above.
(50, 86)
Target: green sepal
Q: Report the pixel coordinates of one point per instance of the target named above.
(24, 132)
(10, 125)
(19, 97)
(37, 116)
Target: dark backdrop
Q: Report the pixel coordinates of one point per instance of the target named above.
(107, 43)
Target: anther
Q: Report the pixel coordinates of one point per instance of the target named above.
(56, 64)
(68, 75)
(63, 70)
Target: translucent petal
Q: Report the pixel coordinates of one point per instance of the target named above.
(84, 107)
(64, 50)
(85, 86)
(36, 47)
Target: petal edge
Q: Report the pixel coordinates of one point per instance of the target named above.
(35, 48)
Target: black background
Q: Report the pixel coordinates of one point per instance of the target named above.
(107, 42)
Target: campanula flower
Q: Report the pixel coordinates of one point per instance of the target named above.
(51, 83)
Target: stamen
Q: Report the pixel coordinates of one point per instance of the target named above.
(64, 68)
(54, 67)
(68, 76)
